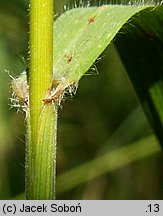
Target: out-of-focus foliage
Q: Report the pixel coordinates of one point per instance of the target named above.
(104, 109)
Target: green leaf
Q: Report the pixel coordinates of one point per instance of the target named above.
(81, 35)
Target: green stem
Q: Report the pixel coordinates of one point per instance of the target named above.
(42, 118)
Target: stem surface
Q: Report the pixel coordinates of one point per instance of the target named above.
(42, 118)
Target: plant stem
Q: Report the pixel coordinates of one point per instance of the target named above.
(42, 118)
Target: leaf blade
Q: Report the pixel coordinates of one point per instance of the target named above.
(89, 31)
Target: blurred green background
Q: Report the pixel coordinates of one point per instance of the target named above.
(103, 116)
